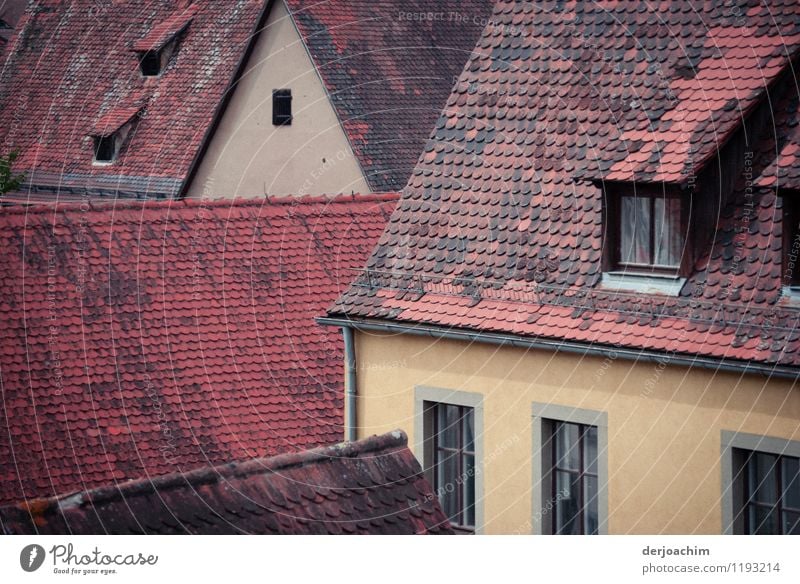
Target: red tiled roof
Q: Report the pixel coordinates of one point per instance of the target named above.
(388, 74)
(784, 170)
(165, 31)
(389, 67)
(706, 103)
(11, 12)
(74, 62)
(114, 119)
(497, 230)
(142, 338)
(374, 486)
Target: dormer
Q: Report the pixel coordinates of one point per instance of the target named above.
(155, 50)
(646, 242)
(110, 132)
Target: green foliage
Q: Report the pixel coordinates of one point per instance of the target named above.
(8, 180)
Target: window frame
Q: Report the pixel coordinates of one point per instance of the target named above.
(543, 482)
(613, 216)
(424, 397)
(282, 116)
(734, 446)
(582, 473)
(460, 452)
(790, 215)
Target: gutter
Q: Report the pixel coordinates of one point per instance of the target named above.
(714, 364)
(350, 387)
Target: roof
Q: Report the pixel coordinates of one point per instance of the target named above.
(783, 172)
(389, 67)
(374, 486)
(165, 31)
(388, 74)
(75, 62)
(141, 338)
(499, 231)
(10, 13)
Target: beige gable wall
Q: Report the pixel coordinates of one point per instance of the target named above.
(664, 423)
(248, 156)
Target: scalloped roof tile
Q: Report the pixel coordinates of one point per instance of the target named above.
(500, 230)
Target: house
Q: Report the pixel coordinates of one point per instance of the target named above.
(142, 338)
(164, 99)
(584, 309)
(374, 486)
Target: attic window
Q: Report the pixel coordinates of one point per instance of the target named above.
(791, 243)
(104, 149)
(650, 233)
(111, 131)
(281, 107)
(150, 64)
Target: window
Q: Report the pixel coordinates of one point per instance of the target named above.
(281, 107)
(105, 149)
(570, 471)
(449, 443)
(760, 484)
(574, 479)
(771, 487)
(650, 235)
(150, 63)
(454, 462)
(791, 243)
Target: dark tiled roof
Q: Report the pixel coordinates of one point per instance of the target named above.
(75, 62)
(374, 486)
(497, 230)
(141, 338)
(389, 67)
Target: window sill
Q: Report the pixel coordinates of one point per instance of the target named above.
(791, 294)
(643, 283)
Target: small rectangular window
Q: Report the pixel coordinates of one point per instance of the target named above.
(282, 107)
(150, 63)
(770, 484)
(791, 243)
(574, 477)
(104, 148)
(453, 442)
(650, 234)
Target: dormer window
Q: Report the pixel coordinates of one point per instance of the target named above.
(791, 243)
(281, 107)
(105, 149)
(650, 233)
(110, 132)
(156, 48)
(645, 247)
(150, 64)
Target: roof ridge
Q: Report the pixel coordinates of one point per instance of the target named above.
(238, 202)
(204, 475)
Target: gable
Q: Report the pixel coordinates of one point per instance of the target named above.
(248, 156)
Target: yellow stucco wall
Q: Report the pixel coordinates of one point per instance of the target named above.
(249, 157)
(664, 422)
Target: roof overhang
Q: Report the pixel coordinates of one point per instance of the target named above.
(560, 345)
